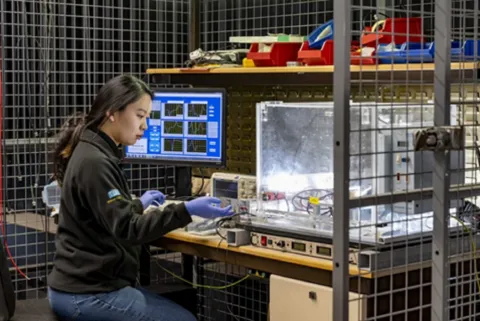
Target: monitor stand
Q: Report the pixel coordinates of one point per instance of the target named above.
(183, 181)
(183, 187)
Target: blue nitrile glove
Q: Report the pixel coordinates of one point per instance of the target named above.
(208, 207)
(150, 197)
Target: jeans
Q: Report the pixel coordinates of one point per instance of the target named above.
(127, 304)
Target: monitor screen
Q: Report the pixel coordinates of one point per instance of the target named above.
(186, 127)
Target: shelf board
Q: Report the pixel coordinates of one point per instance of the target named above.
(29, 141)
(302, 75)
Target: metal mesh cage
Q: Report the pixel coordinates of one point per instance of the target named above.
(55, 55)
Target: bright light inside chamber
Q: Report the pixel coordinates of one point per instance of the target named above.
(292, 184)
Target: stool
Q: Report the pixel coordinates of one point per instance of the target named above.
(38, 310)
(183, 295)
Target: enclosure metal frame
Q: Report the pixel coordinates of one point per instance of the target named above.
(341, 158)
(441, 179)
(441, 192)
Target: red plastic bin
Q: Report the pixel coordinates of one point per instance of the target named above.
(278, 56)
(325, 56)
(357, 59)
(395, 30)
(364, 61)
(316, 57)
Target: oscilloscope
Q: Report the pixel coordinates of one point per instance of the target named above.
(237, 190)
(186, 127)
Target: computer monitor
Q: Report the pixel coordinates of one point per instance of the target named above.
(187, 127)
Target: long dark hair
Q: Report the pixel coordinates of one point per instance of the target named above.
(115, 95)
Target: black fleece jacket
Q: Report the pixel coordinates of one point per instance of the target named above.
(101, 229)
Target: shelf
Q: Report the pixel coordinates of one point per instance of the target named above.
(321, 75)
(28, 145)
(29, 141)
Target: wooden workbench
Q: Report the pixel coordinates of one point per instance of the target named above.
(215, 248)
(411, 284)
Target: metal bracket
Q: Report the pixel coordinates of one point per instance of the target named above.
(441, 138)
(263, 105)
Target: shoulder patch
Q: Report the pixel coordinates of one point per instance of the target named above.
(113, 193)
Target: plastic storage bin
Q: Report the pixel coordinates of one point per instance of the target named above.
(325, 55)
(394, 30)
(278, 55)
(408, 53)
(316, 57)
(356, 57)
(466, 51)
(51, 196)
(320, 35)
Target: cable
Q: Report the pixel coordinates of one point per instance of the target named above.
(220, 222)
(4, 233)
(210, 287)
(474, 248)
(302, 203)
(5, 242)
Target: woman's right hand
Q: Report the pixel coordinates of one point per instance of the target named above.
(208, 207)
(149, 197)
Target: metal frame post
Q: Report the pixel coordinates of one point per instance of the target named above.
(441, 178)
(194, 25)
(222, 24)
(341, 157)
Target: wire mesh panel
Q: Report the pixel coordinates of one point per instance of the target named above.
(229, 294)
(223, 19)
(461, 279)
(406, 245)
(55, 55)
(410, 66)
(423, 207)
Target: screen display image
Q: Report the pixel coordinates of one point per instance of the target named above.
(301, 247)
(185, 127)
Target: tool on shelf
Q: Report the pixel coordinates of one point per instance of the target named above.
(271, 50)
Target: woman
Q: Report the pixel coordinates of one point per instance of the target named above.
(101, 229)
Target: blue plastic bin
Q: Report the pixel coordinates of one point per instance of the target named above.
(408, 53)
(314, 42)
(465, 52)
